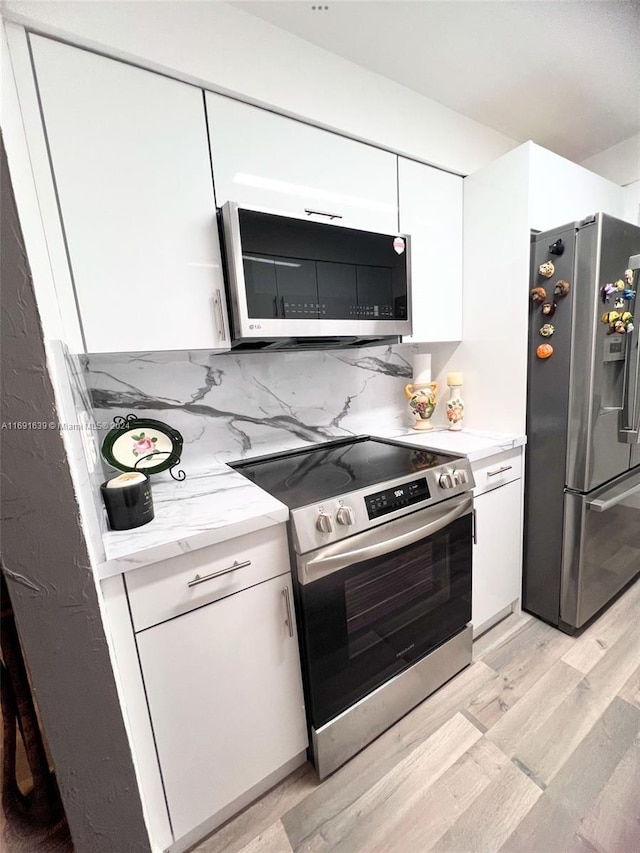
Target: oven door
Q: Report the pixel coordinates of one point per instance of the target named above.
(373, 604)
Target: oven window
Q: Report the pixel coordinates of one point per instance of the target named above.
(387, 599)
(365, 623)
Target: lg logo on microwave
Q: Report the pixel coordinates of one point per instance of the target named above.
(255, 326)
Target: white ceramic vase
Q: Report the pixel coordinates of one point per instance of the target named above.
(455, 407)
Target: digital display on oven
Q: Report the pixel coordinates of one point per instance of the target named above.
(390, 500)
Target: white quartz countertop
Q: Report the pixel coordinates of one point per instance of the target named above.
(220, 504)
(206, 508)
(474, 444)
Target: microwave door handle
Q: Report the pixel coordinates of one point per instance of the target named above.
(326, 565)
(310, 212)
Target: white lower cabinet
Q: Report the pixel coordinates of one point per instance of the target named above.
(497, 554)
(225, 696)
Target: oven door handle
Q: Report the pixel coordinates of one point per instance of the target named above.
(321, 566)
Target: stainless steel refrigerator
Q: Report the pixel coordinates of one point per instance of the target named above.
(582, 486)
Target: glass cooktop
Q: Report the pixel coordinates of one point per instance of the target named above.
(324, 471)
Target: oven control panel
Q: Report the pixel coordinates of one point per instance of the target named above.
(317, 525)
(397, 497)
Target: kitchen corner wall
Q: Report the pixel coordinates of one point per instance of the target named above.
(247, 404)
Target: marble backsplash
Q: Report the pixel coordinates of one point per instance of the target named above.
(230, 406)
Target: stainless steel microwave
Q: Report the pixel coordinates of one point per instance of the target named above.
(298, 283)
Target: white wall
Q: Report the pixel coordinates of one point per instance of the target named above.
(620, 163)
(529, 188)
(493, 353)
(232, 52)
(561, 191)
(632, 202)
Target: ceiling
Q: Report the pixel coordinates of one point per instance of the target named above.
(563, 73)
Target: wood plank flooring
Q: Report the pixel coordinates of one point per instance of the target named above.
(534, 748)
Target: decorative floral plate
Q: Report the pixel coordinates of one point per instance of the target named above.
(140, 444)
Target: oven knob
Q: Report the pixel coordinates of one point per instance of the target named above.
(345, 515)
(460, 478)
(446, 481)
(324, 523)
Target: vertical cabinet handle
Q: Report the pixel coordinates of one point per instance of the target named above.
(222, 334)
(289, 620)
(475, 527)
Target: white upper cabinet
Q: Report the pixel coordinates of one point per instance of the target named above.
(131, 164)
(431, 212)
(274, 163)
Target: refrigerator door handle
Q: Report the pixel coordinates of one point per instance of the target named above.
(629, 426)
(599, 505)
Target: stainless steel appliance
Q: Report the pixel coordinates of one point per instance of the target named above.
(582, 498)
(381, 538)
(298, 283)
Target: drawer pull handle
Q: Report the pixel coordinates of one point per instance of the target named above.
(233, 568)
(289, 620)
(310, 212)
(499, 470)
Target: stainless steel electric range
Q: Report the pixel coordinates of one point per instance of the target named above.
(381, 538)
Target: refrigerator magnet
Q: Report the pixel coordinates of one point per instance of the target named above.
(620, 284)
(628, 277)
(606, 290)
(538, 295)
(609, 317)
(549, 308)
(561, 289)
(547, 269)
(547, 330)
(544, 351)
(628, 294)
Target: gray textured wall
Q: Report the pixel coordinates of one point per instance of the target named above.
(50, 579)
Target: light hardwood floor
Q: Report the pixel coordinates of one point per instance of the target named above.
(534, 748)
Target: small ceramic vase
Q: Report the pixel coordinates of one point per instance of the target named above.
(422, 402)
(455, 407)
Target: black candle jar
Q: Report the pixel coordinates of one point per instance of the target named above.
(128, 501)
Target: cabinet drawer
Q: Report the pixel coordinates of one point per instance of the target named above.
(161, 591)
(497, 470)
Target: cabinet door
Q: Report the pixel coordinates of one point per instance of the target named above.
(225, 695)
(130, 160)
(431, 212)
(497, 554)
(275, 163)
